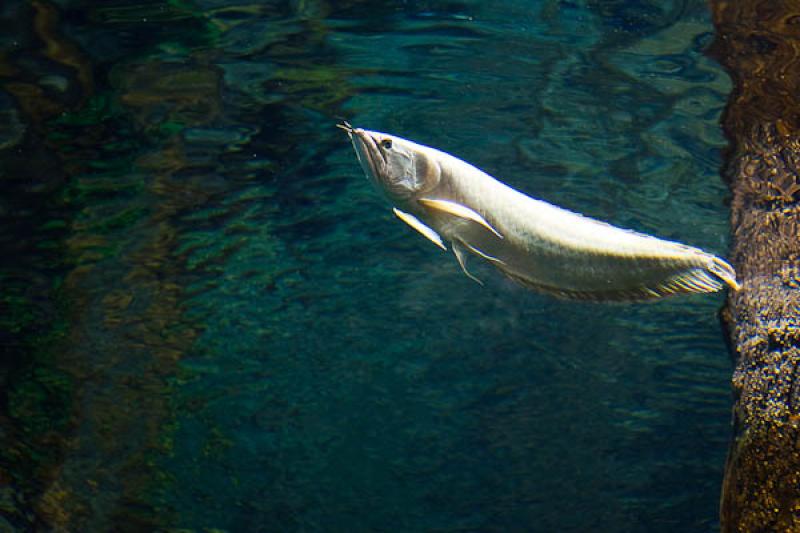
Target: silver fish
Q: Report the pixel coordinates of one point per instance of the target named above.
(541, 246)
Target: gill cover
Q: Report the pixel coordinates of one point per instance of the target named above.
(400, 177)
(399, 168)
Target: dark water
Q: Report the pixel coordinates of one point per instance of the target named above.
(210, 321)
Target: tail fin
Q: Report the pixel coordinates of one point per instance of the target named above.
(724, 271)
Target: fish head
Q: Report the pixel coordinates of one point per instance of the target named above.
(399, 168)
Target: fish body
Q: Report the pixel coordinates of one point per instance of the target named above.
(537, 244)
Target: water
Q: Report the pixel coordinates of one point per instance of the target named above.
(211, 321)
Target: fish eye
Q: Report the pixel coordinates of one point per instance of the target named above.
(386, 144)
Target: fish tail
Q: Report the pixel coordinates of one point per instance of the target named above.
(723, 271)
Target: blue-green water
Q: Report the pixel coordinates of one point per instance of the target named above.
(212, 321)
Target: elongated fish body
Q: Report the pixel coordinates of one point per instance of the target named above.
(539, 245)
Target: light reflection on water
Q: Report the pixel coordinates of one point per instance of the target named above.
(310, 364)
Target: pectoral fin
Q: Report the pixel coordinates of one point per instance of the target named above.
(461, 257)
(456, 209)
(414, 222)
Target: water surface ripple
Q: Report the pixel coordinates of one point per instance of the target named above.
(244, 338)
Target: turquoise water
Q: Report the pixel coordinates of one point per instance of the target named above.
(212, 321)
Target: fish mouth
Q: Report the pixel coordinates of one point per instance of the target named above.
(367, 150)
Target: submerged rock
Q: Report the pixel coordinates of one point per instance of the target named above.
(758, 41)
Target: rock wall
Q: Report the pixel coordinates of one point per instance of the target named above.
(758, 41)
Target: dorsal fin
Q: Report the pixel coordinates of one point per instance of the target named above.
(725, 272)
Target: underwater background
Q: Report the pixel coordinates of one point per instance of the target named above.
(209, 320)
